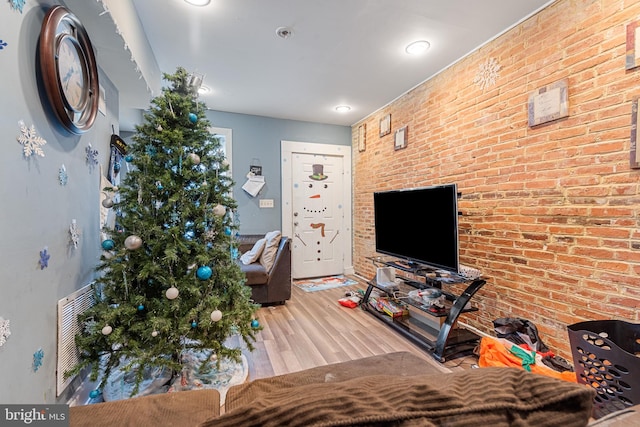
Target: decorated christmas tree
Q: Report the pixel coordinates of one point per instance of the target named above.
(168, 279)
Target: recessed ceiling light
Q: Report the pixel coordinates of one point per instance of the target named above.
(343, 108)
(198, 2)
(417, 47)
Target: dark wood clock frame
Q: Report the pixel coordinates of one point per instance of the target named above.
(59, 26)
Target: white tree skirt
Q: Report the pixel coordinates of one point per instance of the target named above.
(120, 384)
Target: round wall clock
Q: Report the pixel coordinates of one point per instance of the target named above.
(68, 69)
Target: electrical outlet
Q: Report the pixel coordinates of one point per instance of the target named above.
(266, 203)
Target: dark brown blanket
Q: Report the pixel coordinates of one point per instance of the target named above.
(477, 397)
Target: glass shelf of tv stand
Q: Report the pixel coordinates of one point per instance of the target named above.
(432, 276)
(443, 342)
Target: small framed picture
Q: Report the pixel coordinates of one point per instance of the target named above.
(255, 169)
(634, 153)
(385, 125)
(400, 140)
(632, 59)
(362, 137)
(548, 103)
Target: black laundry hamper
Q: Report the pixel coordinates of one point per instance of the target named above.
(606, 356)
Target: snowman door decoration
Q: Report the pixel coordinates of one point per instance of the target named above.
(316, 204)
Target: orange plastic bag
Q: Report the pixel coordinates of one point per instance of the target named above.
(495, 352)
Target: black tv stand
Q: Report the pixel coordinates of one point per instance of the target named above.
(444, 343)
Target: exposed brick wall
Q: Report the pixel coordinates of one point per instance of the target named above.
(550, 213)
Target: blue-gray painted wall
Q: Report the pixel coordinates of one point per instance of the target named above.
(37, 211)
(256, 137)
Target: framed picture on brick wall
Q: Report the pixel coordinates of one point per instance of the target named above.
(401, 138)
(634, 153)
(632, 59)
(362, 137)
(385, 125)
(549, 103)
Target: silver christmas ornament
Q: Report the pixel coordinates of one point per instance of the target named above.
(219, 210)
(195, 159)
(216, 315)
(172, 293)
(132, 242)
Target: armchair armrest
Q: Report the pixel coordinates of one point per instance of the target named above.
(279, 282)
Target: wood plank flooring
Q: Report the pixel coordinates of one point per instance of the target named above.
(313, 329)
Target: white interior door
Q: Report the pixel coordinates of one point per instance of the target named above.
(317, 215)
(317, 212)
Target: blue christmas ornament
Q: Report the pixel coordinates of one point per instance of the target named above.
(255, 324)
(116, 167)
(194, 324)
(204, 272)
(140, 307)
(193, 118)
(108, 244)
(128, 158)
(94, 393)
(227, 231)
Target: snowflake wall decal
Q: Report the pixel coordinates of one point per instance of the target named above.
(31, 142)
(92, 156)
(4, 331)
(37, 359)
(3, 44)
(487, 74)
(62, 175)
(44, 258)
(74, 234)
(17, 4)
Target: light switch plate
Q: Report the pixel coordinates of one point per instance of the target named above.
(266, 203)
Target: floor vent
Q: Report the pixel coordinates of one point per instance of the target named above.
(68, 310)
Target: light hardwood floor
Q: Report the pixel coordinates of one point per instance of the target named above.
(313, 329)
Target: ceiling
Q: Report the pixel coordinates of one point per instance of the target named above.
(340, 52)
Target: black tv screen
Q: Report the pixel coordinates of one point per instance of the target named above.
(419, 225)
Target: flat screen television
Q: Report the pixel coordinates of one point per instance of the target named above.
(419, 225)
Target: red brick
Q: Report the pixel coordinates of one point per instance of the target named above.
(551, 213)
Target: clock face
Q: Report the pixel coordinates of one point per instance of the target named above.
(68, 69)
(71, 72)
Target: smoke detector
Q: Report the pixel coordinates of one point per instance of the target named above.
(284, 32)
